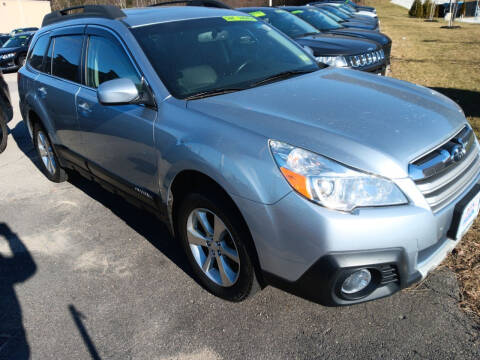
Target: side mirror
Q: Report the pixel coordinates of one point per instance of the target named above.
(117, 92)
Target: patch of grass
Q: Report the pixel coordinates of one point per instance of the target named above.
(447, 60)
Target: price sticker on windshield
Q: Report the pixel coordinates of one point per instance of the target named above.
(257, 13)
(238, 18)
(297, 11)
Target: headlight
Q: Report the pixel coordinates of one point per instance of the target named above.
(331, 184)
(337, 61)
(8, 56)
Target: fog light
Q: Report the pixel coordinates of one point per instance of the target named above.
(357, 281)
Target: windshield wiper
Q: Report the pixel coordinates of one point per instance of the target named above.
(307, 34)
(212, 92)
(281, 76)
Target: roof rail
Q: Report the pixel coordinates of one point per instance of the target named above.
(205, 3)
(103, 11)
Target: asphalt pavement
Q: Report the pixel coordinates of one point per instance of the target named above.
(84, 275)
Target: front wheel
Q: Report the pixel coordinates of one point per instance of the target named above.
(21, 60)
(213, 238)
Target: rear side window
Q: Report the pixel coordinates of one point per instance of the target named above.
(106, 60)
(36, 57)
(66, 57)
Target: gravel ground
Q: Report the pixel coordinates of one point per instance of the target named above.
(85, 275)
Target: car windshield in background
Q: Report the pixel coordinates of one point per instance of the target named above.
(330, 15)
(284, 21)
(222, 54)
(16, 41)
(317, 19)
(337, 12)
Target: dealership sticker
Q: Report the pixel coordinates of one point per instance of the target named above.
(257, 13)
(238, 18)
(297, 11)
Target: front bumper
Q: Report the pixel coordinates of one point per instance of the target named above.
(8, 65)
(304, 248)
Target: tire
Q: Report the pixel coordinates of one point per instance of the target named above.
(239, 281)
(49, 163)
(21, 60)
(3, 132)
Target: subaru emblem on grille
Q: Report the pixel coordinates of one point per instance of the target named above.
(458, 152)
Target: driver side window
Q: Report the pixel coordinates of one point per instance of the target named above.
(106, 60)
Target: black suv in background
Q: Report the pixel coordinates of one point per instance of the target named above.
(348, 2)
(327, 25)
(6, 112)
(3, 38)
(347, 20)
(14, 51)
(330, 49)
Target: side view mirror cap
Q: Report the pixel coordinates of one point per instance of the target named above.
(117, 92)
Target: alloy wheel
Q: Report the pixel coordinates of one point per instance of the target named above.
(213, 247)
(46, 153)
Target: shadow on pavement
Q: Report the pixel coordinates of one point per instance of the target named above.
(13, 270)
(143, 222)
(467, 99)
(77, 318)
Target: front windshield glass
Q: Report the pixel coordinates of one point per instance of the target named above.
(16, 41)
(346, 9)
(330, 15)
(317, 19)
(337, 12)
(285, 22)
(207, 55)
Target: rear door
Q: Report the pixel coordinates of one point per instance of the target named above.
(59, 84)
(118, 138)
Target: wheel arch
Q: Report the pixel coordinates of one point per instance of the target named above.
(187, 181)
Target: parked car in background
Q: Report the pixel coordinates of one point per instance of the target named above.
(22, 30)
(6, 112)
(14, 51)
(327, 25)
(333, 184)
(331, 49)
(3, 38)
(352, 11)
(347, 23)
(349, 2)
(367, 22)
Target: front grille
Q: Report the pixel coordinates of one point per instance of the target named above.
(389, 274)
(447, 171)
(367, 59)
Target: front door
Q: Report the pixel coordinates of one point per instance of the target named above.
(118, 138)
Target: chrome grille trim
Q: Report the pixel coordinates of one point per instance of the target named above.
(444, 173)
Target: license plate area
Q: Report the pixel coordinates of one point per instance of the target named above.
(465, 213)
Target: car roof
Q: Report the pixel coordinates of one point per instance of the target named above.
(144, 16)
(266, 8)
(25, 33)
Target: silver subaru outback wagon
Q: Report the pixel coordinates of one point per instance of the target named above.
(335, 185)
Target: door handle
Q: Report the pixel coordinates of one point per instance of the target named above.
(42, 91)
(84, 107)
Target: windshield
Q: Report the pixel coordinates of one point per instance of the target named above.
(346, 9)
(16, 41)
(211, 54)
(337, 12)
(285, 22)
(330, 15)
(317, 19)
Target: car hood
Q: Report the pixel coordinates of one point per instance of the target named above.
(372, 123)
(363, 33)
(10, 50)
(359, 25)
(333, 44)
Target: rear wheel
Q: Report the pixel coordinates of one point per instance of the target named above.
(214, 240)
(48, 160)
(3, 132)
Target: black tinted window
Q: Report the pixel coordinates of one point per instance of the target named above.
(106, 60)
(66, 57)
(36, 57)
